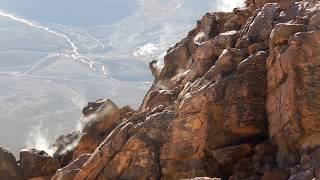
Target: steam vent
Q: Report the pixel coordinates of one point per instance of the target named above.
(237, 99)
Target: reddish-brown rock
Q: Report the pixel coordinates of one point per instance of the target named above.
(314, 22)
(126, 112)
(245, 112)
(158, 97)
(68, 172)
(226, 40)
(102, 119)
(293, 98)
(227, 157)
(86, 145)
(260, 26)
(275, 175)
(226, 64)
(176, 60)
(35, 163)
(281, 33)
(238, 98)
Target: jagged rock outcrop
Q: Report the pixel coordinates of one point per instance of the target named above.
(293, 86)
(237, 99)
(36, 164)
(100, 118)
(293, 95)
(64, 147)
(69, 171)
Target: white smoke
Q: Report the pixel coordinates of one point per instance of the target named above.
(67, 143)
(107, 109)
(37, 138)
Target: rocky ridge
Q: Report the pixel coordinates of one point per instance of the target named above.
(237, 99)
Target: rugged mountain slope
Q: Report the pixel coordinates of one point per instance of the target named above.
(32, 57)
(236, 99)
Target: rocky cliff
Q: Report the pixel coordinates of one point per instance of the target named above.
(237, 99)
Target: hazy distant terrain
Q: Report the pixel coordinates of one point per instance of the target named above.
(73, 12)
(57, 56)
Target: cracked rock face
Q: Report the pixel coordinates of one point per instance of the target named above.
(237, 99)
(293, 98)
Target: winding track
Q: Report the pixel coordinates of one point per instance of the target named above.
(75, 52)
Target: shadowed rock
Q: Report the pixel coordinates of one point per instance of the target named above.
(8, 166)
(35, 163)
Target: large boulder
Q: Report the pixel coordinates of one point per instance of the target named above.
(138, 158)
(226, 40)
(35, 163)
(227, 157)
(226, 64)
(100, 117)
(158, 97)
(130, 151)
(182, 155)
(261, 161)
(245, 99)
(260, 27)
(282, 32)
(177, 60)
(86, 145)
(208, 27)
(64, 147)
(8, 166)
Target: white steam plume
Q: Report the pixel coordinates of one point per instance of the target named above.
(107, 109)
(37, 138)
